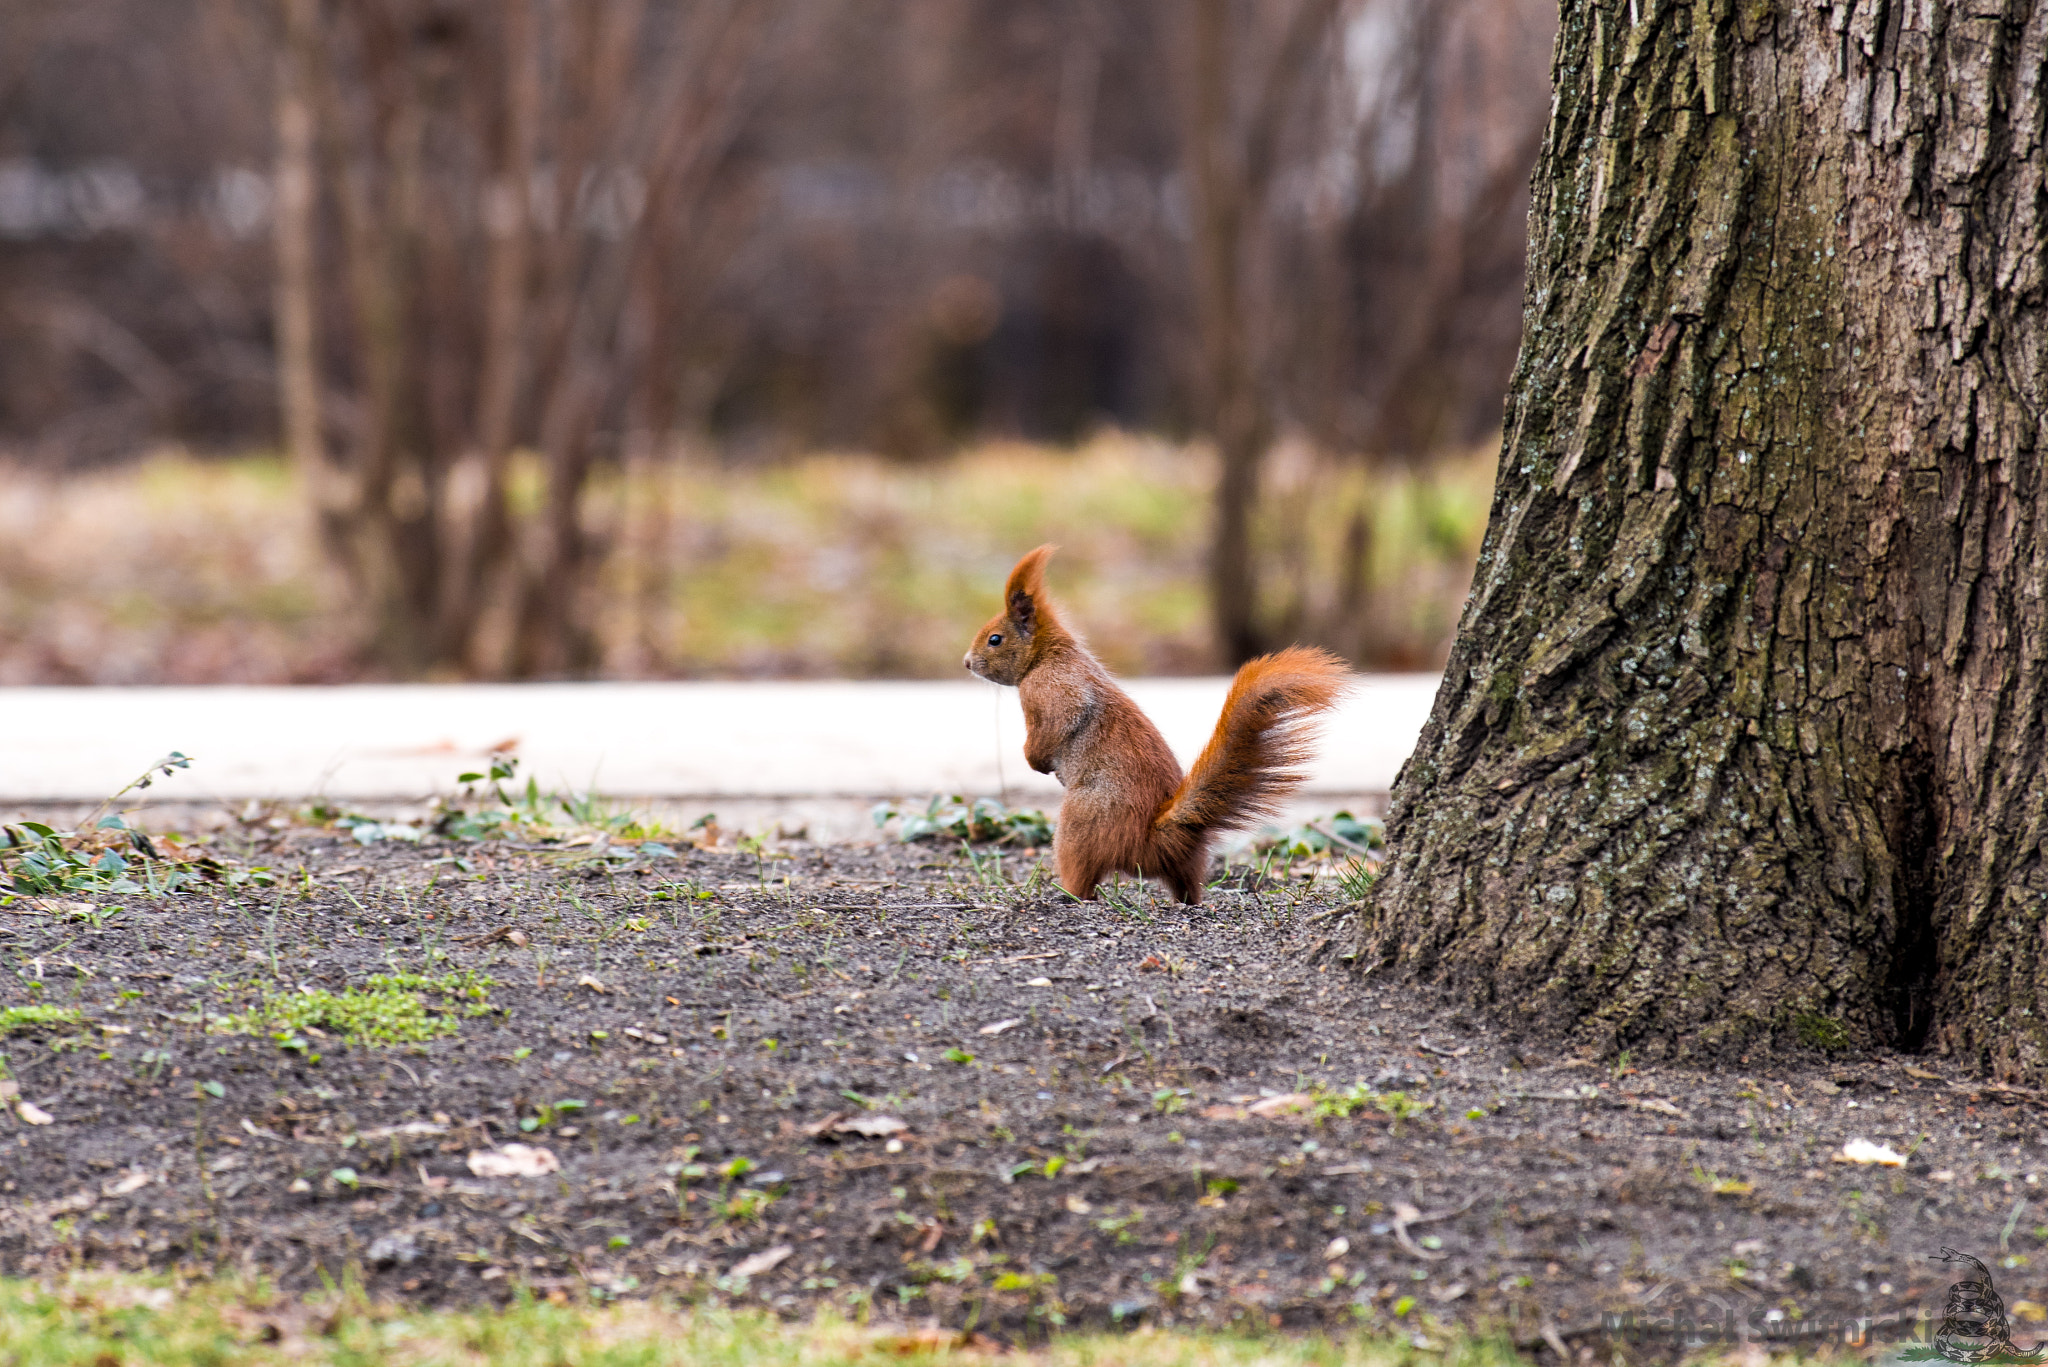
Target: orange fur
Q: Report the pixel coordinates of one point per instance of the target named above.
(1128, 808)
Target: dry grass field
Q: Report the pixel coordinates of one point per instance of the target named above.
(178, 569)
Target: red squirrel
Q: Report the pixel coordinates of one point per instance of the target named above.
(1127, 806)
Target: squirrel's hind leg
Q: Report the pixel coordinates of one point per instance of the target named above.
(1181, 857)
(1080, 870)
(1184, 875)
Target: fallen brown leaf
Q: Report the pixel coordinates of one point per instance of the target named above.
(937, 1340)
(819, 1129)
(871, 1126)
(765, 1261)
(514, 1160)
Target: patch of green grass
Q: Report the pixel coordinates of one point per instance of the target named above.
(1332, 1103)
(390, 1009)
(91, 1317)
(36, 1017)
(1356, 878)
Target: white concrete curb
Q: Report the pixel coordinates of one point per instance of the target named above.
(829, 739)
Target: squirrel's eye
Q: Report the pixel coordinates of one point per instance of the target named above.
(996, 639)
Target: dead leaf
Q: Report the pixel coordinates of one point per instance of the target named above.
(936, 1340)
(1922, 1074)
(1151, 963)
(764, 1261)
(1288, 1103)
(1038, 982)
(508, 935)
(1659, 1105)
(1078, 1204)
(412, 1129)
(1336, 1249)
(997, 1027)
(134, 1181)
(871, 1126)
(1863, 1151)
(514, 1160)
(593, 984)
(72, 1204)
(9, 1089)
(33, 1114)
(819, 1129)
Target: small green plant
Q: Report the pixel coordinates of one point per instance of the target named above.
(748, 1203)
(487, 810)
(1338, 1105)
(547, 1114)
(39, 1017)
(954, 818)
(1719, 1185)
(1400, 1106)
(1170, 1100)
(104, 855)
(1356, 878)
(1120, 1225)
(1342, 833)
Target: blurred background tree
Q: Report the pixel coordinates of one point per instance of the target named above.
(508, 279)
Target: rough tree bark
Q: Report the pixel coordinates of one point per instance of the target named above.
(1741, 743)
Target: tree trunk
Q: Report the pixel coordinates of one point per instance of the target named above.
(1741, 742)
(296, 298)
(1235, 124)
(500, 176)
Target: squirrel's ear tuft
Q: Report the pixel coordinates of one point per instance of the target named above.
(1025, 592)
(1024, 612)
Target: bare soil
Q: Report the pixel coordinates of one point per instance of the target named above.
(1089, 1134)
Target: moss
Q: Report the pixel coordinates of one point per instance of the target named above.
(391, 1009)
(1820, 1032)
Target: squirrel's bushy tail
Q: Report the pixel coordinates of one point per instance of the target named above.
(1266, 733)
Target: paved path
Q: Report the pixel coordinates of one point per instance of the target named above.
(655, 740)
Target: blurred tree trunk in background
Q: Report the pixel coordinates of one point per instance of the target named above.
(1246, 80)
(1742, 741)
(487, 236)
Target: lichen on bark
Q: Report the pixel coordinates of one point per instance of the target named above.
(1744, 722)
